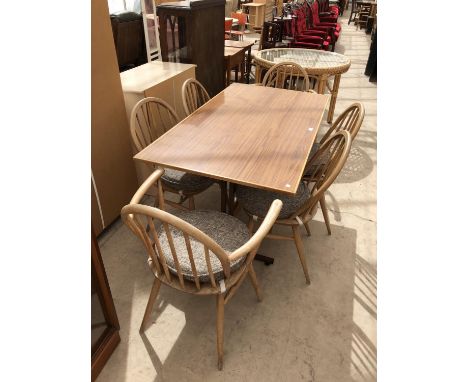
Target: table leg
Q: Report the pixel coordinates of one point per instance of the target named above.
(334, 96)
(257, 73)
(249, 65)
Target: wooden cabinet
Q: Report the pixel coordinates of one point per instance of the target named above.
(113, 175)
(192, 32)
(155, 79)
(256, 13)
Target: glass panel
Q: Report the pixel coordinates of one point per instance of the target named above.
(150, 20)
(308, 58)
(176, 39)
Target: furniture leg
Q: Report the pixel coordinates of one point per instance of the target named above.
(249, 65)
(242, 69)
(301, 252)
(306, 225)
(257, 73)
(191, 203)
(223, 190)
(220, 329)
(150, 304)
(323, 207)
(334, 96)
(322, 81)
(253, 279)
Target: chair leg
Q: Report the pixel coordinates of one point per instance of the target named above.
(306, 225)
(301, 252)
(323, 207)
(223, 189)
(191, 203)
(250, 225)
(253, 279)
(220, 329)
(149, 305)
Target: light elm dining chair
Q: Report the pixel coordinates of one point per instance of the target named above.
(150, 118)
(300, 208)
(287, 75)
(197, 252)
(194, 95)
(350, 120)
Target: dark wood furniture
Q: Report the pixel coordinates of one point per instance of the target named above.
(247, 47)
(234, 58)
(192, 32)
(104, 322)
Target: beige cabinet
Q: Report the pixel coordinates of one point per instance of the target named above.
(256, 13)
(155, 79)
(113, 174)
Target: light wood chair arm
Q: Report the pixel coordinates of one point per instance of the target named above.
(146, 185)
(261, 233)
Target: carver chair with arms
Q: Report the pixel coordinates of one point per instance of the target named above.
(300, 208)
(194, 95)
(350, 120)
(197, 252)
(150, 118)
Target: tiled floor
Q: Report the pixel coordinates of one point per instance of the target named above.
(322, 332)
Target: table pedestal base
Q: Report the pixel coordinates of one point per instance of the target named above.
(264, 259)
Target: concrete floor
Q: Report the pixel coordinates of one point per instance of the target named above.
(322, 332)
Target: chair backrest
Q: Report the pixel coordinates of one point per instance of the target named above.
(161, 231)
(270, 35)
(150, 118)
(241, 18)
(332, 156)
(287, 75)
(228, 25)
(350, 120)
(194, 95)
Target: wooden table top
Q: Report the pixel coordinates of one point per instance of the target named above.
(231, 51)
(238, 44)
(250, 135)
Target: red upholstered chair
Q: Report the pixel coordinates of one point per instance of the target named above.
(333, 29)
(327, 10)
(227, 29)
(241, 21)
(304, 38)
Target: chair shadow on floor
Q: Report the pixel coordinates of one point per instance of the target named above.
(296, 332)
(358, 166)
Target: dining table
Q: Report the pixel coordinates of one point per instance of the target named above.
(325, 67)
(245, 135)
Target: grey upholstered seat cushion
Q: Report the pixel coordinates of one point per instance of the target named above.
(180, 180)
(322, 159)
(229, 232)
(258, 201)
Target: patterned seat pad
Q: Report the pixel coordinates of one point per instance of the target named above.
(258, 201)
(184, 181)
(229, 232)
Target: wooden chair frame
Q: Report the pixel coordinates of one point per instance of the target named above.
(137, 217)
(287, 74)
(194, 95)
(350, 120)
(151, 117)
(336, 150)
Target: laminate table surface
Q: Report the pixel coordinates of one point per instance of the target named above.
(250, 135)
(317, 63)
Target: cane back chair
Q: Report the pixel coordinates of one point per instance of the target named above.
(300, 208)
(150, 118)
(194, 95)
(197, 252)
(350, 120)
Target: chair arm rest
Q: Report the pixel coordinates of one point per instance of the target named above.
(255, 241)
(313, 32)
(309, 38)
(146, 185)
